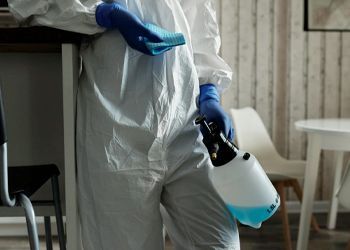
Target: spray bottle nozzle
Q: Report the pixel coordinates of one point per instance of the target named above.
(209, 139)
(220, 149)
(200, 120)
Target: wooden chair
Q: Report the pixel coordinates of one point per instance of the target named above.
(252, 136)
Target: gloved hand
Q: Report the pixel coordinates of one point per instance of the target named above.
(209, 106)
(115, 15)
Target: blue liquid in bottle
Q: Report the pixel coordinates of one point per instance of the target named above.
(252, 216)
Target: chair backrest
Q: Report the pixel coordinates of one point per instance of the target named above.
(251, 134)
(4, 191)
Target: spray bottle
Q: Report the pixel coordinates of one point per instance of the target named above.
(239, 178)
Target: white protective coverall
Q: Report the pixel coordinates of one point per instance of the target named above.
(137, 145)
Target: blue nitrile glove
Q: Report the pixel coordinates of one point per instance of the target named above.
(209, 106)
(115, 15)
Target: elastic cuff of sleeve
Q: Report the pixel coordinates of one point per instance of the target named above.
(208, 92)
(103, 14)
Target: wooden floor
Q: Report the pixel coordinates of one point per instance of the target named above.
(268, 237)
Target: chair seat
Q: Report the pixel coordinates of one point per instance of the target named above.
(28, 179)
(284, 169)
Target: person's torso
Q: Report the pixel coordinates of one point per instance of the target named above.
(154, 94)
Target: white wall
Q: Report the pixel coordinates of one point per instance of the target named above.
(285, 73)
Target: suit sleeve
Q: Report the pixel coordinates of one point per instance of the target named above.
(206, 42)
(70, 15)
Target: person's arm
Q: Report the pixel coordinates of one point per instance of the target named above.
(205, 38)
(213, 72)
(71, 15)
(87, 17)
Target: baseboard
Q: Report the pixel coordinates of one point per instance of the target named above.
(319, 207)
(15, 226)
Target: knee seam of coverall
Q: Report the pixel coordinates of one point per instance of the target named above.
(233, 223)
(96, 214)
(94, 205)
(193, 245)
(190, 240)
(186, 232)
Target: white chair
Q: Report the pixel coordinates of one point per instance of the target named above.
(344, 197)
(252, 136)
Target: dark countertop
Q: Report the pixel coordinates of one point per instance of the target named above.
(38, 35)
(32, 39)
(35, 39)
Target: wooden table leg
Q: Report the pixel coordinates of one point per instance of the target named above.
(284, 215)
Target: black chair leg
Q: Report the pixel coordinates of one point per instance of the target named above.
(30, 219)
(58, 212)
(48, 235)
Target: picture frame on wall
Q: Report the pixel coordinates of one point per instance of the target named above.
(327, 15)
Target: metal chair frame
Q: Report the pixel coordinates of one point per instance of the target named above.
(20, 199)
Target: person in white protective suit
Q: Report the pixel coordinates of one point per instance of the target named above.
(137, 144)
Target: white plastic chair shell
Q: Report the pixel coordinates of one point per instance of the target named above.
(252, 136)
